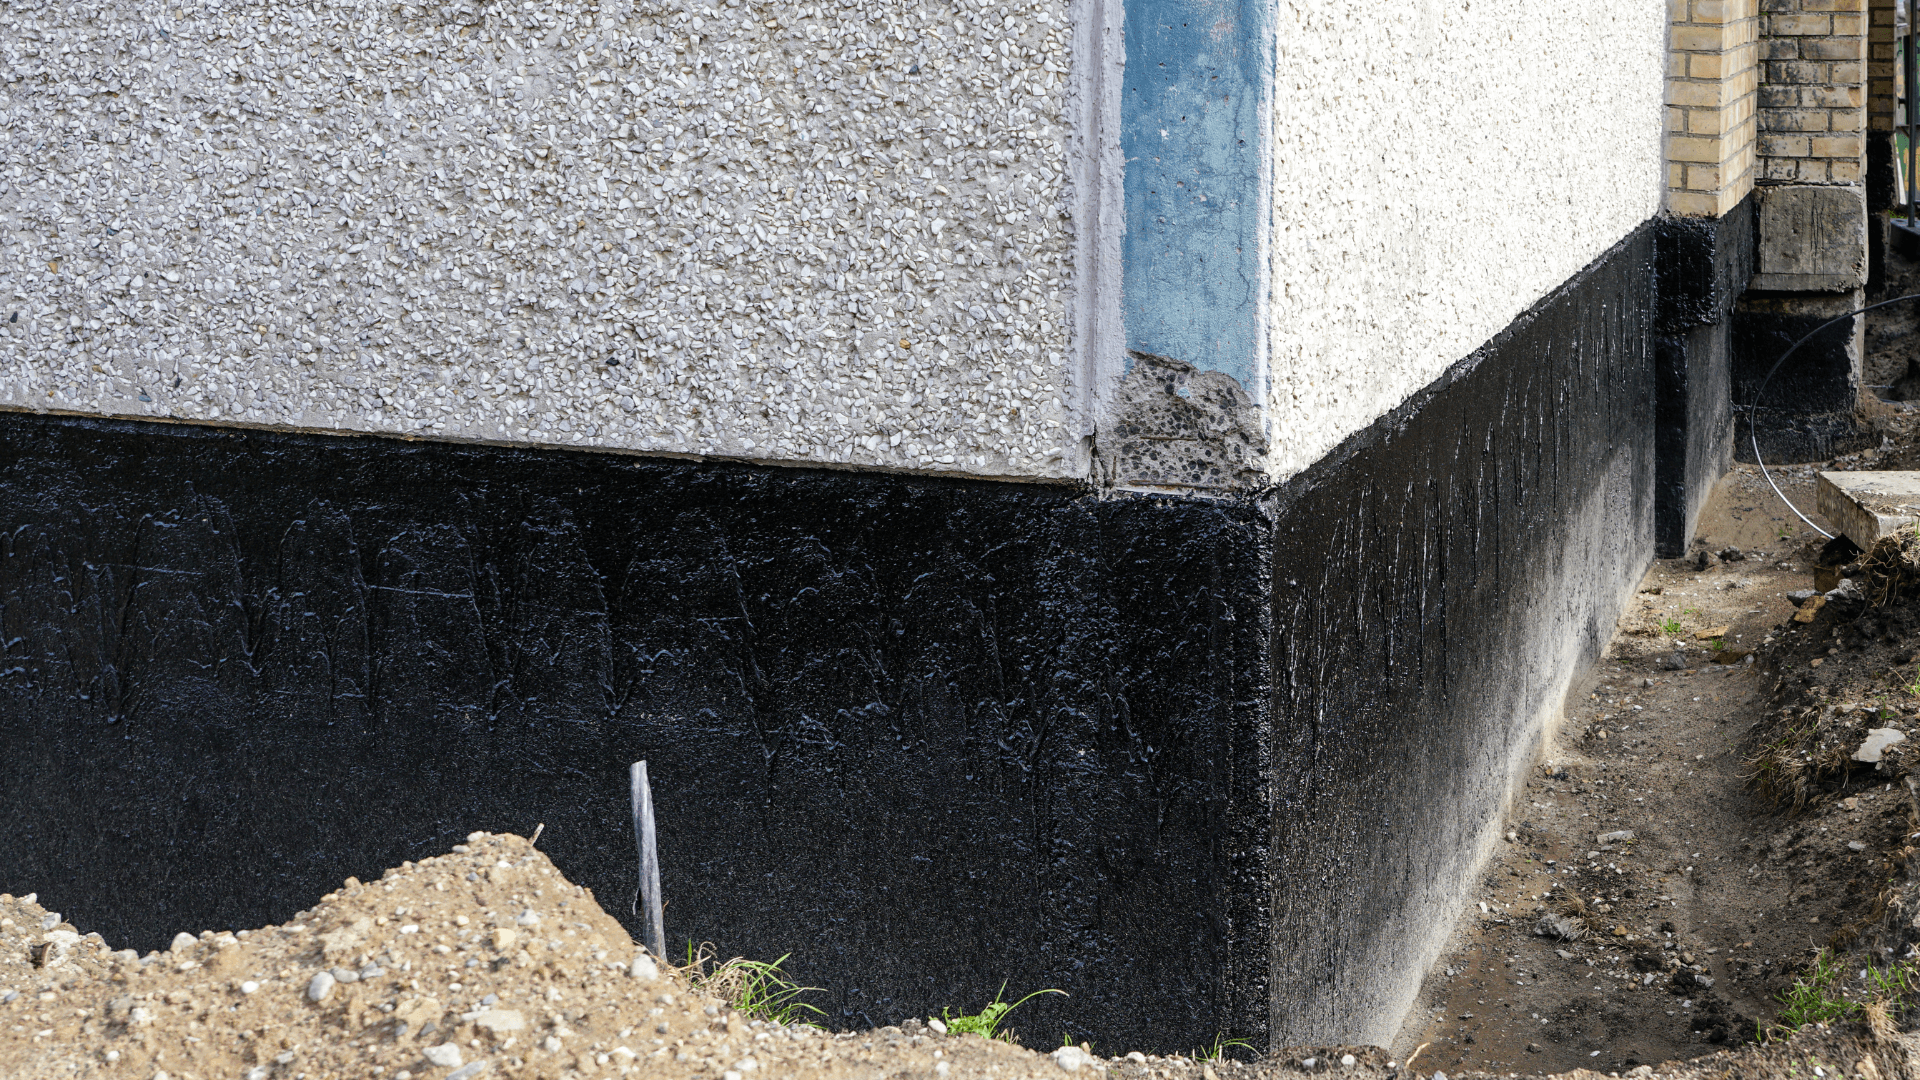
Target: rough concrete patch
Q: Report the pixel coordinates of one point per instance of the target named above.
(1813, 238)
(1175, 425)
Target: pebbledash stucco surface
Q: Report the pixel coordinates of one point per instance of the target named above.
(819, 232)
(1439, 168)
(836, 233)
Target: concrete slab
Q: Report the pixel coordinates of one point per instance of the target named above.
(1868, 505)
(1813, 238)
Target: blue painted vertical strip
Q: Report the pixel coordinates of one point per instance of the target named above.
(1191, 127)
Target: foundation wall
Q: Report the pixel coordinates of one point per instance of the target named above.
(1209, 765)
(1438, 581)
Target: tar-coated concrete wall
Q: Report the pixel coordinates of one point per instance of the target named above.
(1438, 582)
(830, 232)
(1212, 765)
(1439, 168)
(924, 735)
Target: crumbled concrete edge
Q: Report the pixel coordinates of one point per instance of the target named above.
(1174, 426)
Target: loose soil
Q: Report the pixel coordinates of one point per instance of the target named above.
(487, 962)
(1698, 889)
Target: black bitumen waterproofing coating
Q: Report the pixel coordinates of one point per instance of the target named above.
(922, 735)
(1701, 267)
(1211, 766)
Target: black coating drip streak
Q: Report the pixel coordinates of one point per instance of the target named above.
(1212, 766)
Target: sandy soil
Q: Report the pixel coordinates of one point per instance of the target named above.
(487, 962)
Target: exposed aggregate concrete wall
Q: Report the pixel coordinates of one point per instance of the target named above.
(827, 232)
(1439, 168)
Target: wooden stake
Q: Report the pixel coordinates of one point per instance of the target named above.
(643, 839)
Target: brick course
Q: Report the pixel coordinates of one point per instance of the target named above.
(1713, 86)
(1814, 84)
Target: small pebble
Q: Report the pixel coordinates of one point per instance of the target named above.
(183, 941)
(643, 968)
(320, 987)
(446, 1055)
(249, 987)
(528, 918)
(345, 975)
(1348, 1060)
(937, 1027)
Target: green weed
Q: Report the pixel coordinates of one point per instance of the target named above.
(755, 987)
(1717, 644)
(1221, 1044)
(1671, 627)
(986, 1023)
(1814, 998)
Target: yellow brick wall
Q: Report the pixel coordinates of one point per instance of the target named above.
(1880, 65)
(1712, 87)
(1812, 114)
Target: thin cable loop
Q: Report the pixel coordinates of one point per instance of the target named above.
(1753, 408)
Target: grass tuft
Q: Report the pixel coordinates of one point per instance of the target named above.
(755, 987)
(987, 1022)
(1222, 1044)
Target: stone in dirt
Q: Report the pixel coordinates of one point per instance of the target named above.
(1846, 590)
(1868, 505)
(1563, 927)
(643, 968)
(1876, 743)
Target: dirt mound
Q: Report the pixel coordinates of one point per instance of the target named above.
(484, 963)
(488, 963)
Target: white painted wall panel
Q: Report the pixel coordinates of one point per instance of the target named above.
(1440, 167)
(827, 232)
